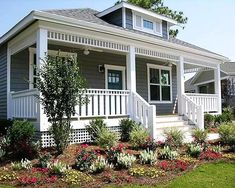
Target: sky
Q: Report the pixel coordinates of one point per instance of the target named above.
(210, 25)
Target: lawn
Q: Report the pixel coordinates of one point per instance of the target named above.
(216, 175)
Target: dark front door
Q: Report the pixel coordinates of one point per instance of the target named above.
(115, 79)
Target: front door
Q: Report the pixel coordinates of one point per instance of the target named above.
(115, 79)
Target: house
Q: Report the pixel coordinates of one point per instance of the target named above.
(203, 82)
(134, 69)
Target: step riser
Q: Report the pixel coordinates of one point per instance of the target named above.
(168, 119)
(171, 124)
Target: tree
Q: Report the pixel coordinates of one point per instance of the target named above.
(227, 91)
(62, 87)
(159, 7)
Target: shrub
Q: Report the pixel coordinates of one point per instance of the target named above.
(44, 160)
(167, 153)
(194, 150)
(106, 138)
(126, 127)
(85, 159)
(148, 157)
(23, 164)
(138, 136)
(114, 151)
(227, 134)
(2, 153)
(216, 149)
(175, 165)
(99, 165)
(5, 125)
(199, 135)
(125, 160)
(94, 127)
(149, 144)
(75, 177)
(20, 136)
(62, 79)
(57, 168)
(209, 121)
(174, 138)
(209, 155)
(227, 115)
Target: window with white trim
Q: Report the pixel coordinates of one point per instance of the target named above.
(33, 63)
(159, 83)
(147, 24)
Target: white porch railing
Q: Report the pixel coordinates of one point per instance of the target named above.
(209, 102)
(143, 112)
(104, 103)
(24, 104)
(193, 111)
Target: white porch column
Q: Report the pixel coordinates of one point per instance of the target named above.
(9, 101)
(218, 87)
(180, 84)
(131, 78)
(130, 70)
(41, 52)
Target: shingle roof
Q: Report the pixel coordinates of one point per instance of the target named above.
(229, 68)
(89, 15)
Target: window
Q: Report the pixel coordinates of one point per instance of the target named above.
(159, 82)
(147, 24)
(33, 63)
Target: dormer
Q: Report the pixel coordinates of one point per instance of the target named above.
(133, 17)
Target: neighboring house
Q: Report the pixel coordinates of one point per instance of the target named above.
(203, 82)
(134, 69)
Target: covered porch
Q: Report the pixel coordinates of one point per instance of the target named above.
(124, 80)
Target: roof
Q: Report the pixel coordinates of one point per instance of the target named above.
(85, 16)
(228, 67)
(89, 15)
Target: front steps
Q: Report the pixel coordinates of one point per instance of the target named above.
(173, 122)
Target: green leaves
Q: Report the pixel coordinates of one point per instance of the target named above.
(62, 87)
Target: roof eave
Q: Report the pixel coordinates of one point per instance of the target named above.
(23, 23)
(39, 15)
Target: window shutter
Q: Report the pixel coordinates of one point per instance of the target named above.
(158, 27)
(138, 21)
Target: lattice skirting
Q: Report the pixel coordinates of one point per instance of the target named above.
(77, 136)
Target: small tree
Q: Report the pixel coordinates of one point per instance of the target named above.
(62, 87)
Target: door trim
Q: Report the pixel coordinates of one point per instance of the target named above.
(118, 68)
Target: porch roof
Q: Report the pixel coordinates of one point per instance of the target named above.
(88, 15)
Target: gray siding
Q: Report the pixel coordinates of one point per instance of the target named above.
(20, 71)
(3, 82)
(164, 30)
(114, 17)
(89, 65)
(129, 19)
(142, 85)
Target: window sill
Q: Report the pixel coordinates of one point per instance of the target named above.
(160, 102)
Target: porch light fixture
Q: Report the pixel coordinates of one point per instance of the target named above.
(86, 51)
(101, 68)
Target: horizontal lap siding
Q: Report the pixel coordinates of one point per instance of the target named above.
(89, 64)
(114, 17)
(142, 85)
(3, 82)
(20, 71)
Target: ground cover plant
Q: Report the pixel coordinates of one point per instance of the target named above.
(124, 163)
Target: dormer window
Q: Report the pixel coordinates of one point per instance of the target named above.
(147, 24)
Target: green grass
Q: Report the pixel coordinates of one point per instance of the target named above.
(5, 186)
(216, 175)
